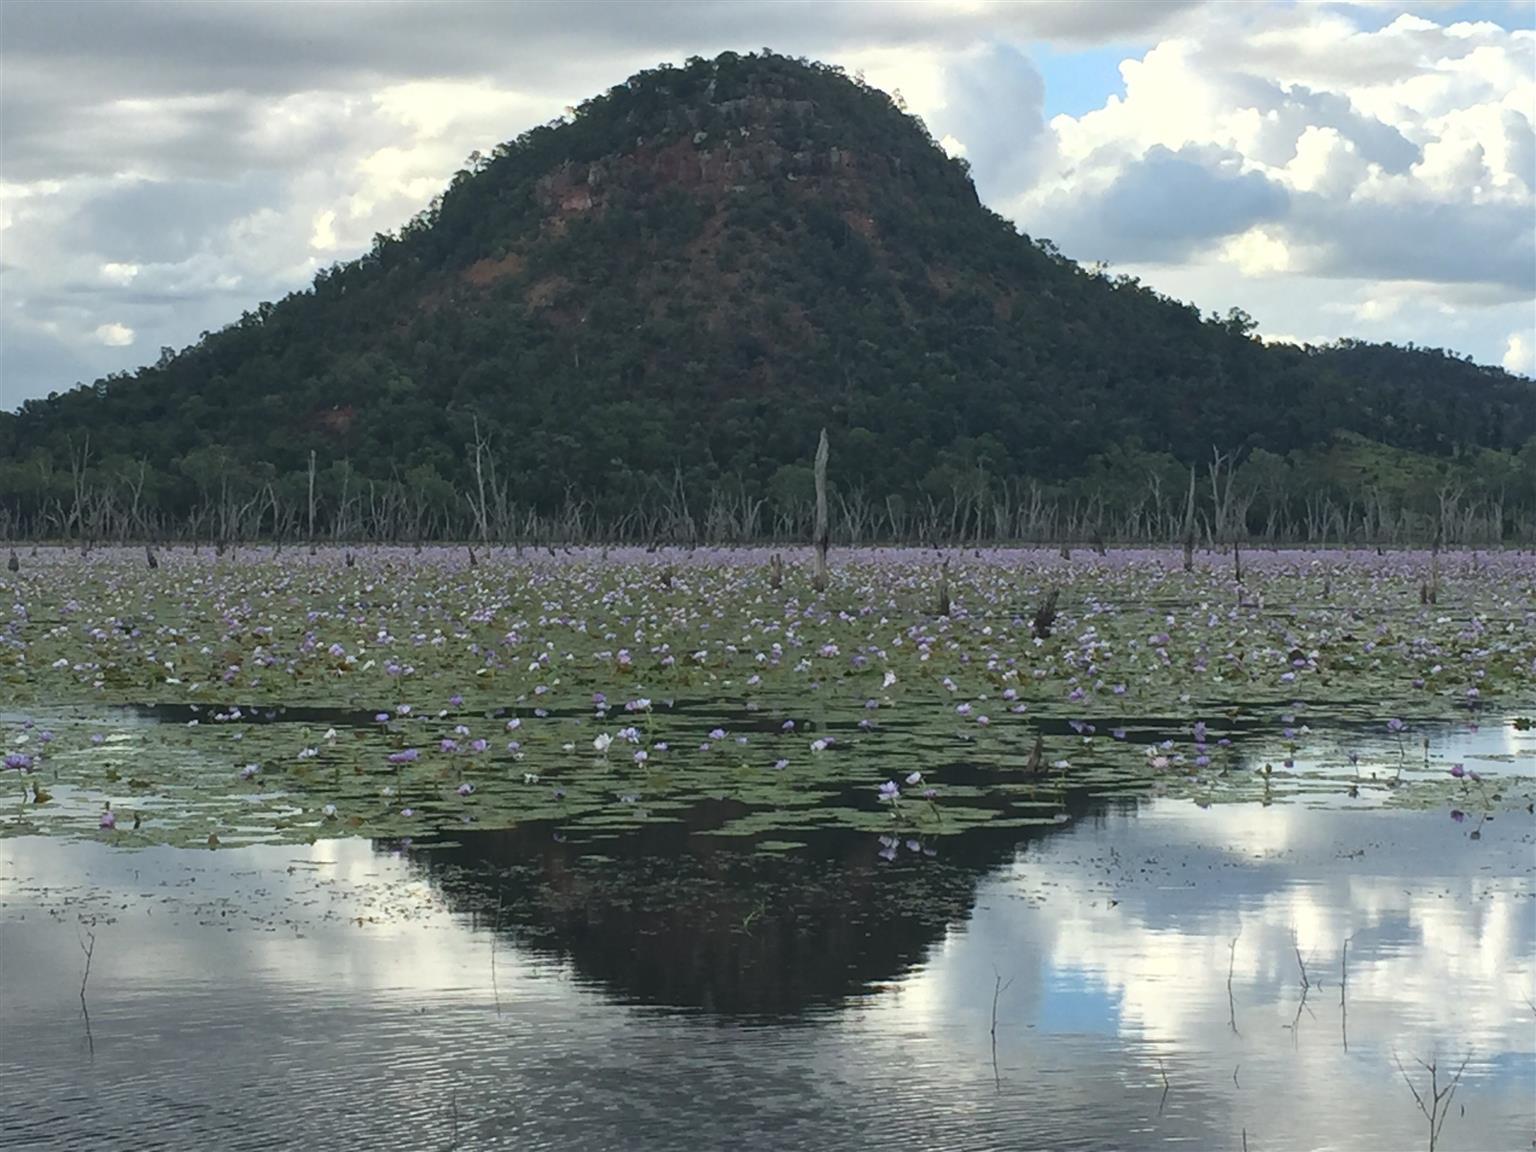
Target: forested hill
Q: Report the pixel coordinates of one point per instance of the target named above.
(669, 293)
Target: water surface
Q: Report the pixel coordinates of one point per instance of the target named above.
(665, 989)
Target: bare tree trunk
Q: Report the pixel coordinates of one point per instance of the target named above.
(1189, 524)
(822, 528)
(311, 501)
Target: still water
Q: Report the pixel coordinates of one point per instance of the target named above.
(1163, 976)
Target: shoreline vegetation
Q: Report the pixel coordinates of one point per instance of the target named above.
(1257, 501)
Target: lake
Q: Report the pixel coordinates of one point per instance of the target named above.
(630, 851)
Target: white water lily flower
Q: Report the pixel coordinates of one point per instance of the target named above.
(601, 741)
(890, 678)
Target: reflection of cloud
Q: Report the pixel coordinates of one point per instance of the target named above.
(334, 914)
(1441, 957)
(1115, 934)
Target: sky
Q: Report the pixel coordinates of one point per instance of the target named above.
(1359, 169)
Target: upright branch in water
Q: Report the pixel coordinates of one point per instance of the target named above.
(1231, 1000)
(998, 989)
(1438, 1106)
(944, 588)
(1430, 594)
(1189, 524)
(823, 529)
(311, 501)
(89, 949)
(776, 572)
(1344, 993)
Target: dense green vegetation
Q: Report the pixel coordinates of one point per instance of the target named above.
(643, 315)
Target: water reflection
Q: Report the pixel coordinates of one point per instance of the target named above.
(669, 915)
(678, 993)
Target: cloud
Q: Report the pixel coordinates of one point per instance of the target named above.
(1164, 205)
(1319, 160)
(1519, 354)
(114, 335)
(994, 102)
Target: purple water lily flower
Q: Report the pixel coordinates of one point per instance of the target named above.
(108, 820)
(466, 789)
(1458, 770)
(404, 756)
(889, 791)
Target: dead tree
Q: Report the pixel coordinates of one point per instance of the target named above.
(823, 529)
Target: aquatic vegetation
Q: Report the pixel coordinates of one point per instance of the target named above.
(284, 697)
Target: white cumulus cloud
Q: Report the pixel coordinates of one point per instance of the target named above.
(1519, 353)
(114, 335)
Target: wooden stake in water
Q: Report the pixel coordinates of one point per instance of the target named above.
(823, 531)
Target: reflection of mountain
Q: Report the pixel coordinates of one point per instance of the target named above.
(668, 915)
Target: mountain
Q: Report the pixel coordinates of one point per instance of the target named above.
(666, 296)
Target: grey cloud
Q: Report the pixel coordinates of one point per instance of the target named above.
(1290, 110)
(166, 222)
(1447, 243)
(29, 358)
(1163, 206)
(995, 105)
(267, 47)
(67, 65)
